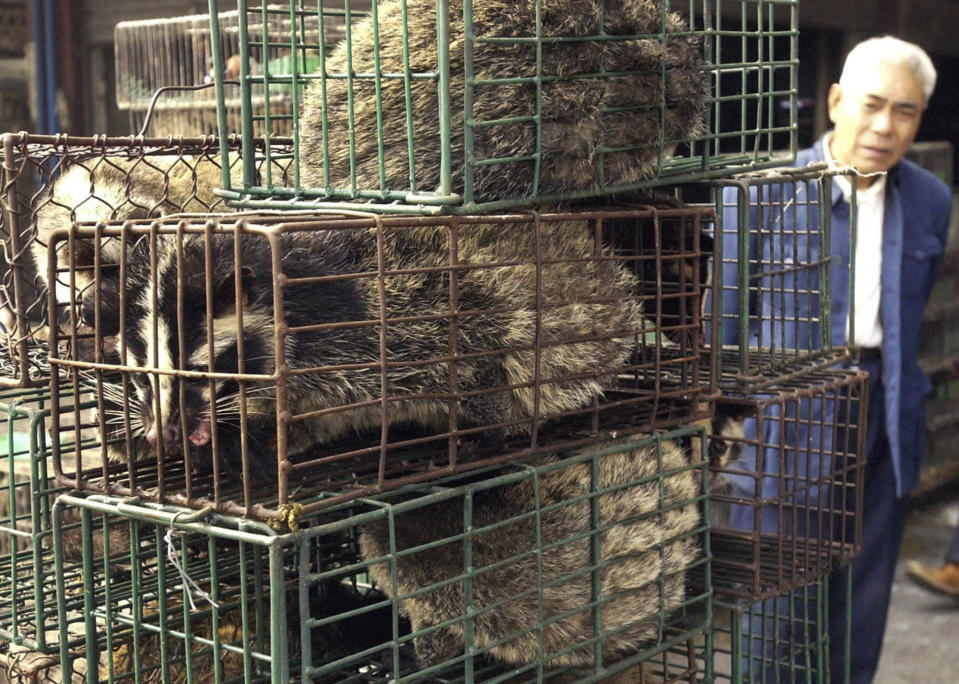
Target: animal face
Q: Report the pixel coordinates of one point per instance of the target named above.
(185, 343)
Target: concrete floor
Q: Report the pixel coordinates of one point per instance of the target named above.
(922, 637)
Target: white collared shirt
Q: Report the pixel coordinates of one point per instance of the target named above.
(870, 211)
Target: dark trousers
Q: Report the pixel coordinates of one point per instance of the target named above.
(883, 519)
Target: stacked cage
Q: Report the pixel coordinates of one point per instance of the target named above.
(787, 435)
(48, 183)
(566, 567)
(425, 411)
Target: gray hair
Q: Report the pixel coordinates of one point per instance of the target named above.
(890, 50)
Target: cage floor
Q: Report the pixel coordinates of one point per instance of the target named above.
(351, 469)
(757, 568)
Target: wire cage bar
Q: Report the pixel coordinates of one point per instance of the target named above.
(51, 181)
(786, 482)
(517, 573)
(782, 270)
(165, 73)
(287, 355)
(786, 639)
(27, 492)
(438, 107)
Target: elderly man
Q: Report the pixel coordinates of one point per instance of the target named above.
(903, 221)
(903, 214)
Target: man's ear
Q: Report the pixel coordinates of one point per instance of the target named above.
(833, 99)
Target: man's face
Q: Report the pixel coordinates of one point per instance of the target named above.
(875, 118)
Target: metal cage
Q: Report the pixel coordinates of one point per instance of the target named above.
(780, 269)
(779, 640)
(786, 482)
(352, 354)
(438, 107)
(49, 182)
(28, 605)
(515, 577)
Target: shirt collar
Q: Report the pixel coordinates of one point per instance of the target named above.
(842, 188)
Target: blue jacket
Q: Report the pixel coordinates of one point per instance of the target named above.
(915, 231)
(914, 237)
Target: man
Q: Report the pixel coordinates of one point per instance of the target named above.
(903, 224)
(903, 215)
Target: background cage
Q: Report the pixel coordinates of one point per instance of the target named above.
(749, 63)
(786, 489)
(533, 334)
(300, 606)
(109, 178)
(175, 56)
(778, 275)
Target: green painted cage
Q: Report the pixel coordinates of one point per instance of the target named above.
(572, 567)
(433, 106)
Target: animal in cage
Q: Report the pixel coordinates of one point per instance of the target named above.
(535, 320)
(531, 571)
(574, 112)
(671, 259)
(115, 188)
(727, 438)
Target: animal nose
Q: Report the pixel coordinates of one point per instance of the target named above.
(170, 434)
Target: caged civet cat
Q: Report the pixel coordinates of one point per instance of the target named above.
(517, 285)
(530, 579)
(612, 89)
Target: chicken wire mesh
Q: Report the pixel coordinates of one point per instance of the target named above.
(48, 182)
(250, 361)
(780, 269)
(165, 73)
(786, 474)
(458, 107)
(569, 567)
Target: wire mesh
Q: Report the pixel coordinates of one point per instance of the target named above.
(786, 473)
(781, 270)
(464, 107)
(288, 355)
(777, 640)
(51, 181)
(27, 491)
(598, 541)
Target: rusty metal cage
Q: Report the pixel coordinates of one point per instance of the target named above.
(786, 473)
(50, 181)
(374, 351)
(781, 269)
(437, 107)
(566, 567)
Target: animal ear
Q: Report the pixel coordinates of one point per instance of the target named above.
(107, 289)
(224, 299)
